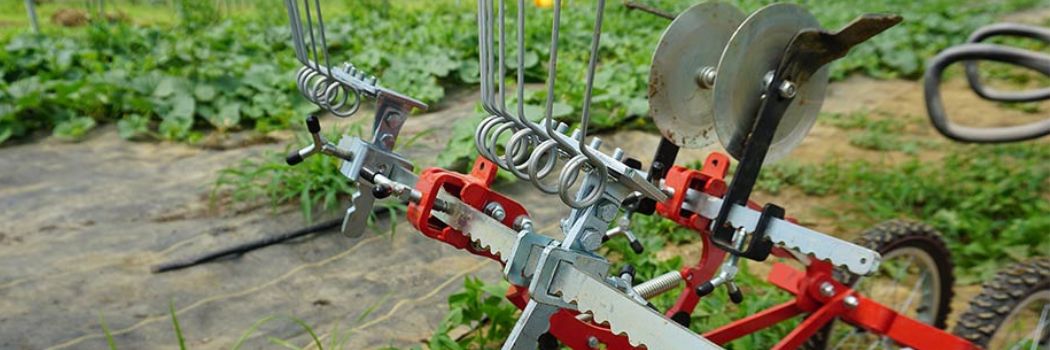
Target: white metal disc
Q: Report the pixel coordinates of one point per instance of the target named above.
(753, 52)
(682, 110)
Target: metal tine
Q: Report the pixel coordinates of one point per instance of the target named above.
(502, 59)
(484, 34)
(310, 30)
(521, 74)
(552, 74)
(297, 30)
(585, 119)
(324, 43)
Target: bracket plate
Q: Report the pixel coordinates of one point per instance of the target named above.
(754, 51)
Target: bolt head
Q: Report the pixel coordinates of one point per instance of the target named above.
(787, 89)
(827, 289)
(495, 210)
(591, 240)
(607, 211)
(851, 302)
(593, 342)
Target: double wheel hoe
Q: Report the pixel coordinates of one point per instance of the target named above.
(753, 83)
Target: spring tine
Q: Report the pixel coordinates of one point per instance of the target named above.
(488, 58)
(324, 43)
(310, 28)
(552, 73)
(483, 60)
(585, 119)
(502, 57)
(297, 30)
(521, 68)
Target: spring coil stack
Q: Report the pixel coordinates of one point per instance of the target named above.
(532, 151)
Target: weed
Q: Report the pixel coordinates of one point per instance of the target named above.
(989, 201)
(314, 183)
(175, 324)
(105, 330)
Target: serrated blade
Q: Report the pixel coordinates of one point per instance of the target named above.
(858, 260)
(485, 231)
(608, 306)
(356, 218)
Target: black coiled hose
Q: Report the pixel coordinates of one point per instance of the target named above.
(974, 51)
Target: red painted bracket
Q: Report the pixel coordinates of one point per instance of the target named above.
(473, 189)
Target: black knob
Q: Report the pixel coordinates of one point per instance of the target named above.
(312, 124)
(633, 163)
(547, 341)
(682, 318)
(293, 158)
(628, 269)
(705, 289)
(735, 295)
(637, 247)
(381, 191)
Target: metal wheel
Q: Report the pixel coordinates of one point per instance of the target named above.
(915, 279)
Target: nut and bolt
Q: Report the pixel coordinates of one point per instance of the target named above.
(593, 342)
(591, 239)
(607, 211)
(827, 289)
(787, 89)
(705, 77)
(522, 222)
(495, 210)
(851, 302)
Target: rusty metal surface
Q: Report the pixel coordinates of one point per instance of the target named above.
(812, 49)
(682, 109)
(755, 50)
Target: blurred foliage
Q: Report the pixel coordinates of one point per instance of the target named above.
(237, 73)
(989, 201)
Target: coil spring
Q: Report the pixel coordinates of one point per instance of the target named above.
(326, 92)
(532, 151)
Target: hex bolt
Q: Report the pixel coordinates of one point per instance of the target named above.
(591, 239)
(705, 77)
(827, 289)
(787, 89)
(607, 211)
(592, 342)
(495, 210)
(851, 302)
(522, 222)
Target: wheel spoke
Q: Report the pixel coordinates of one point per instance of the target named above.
(912, 293)
(1038, 332)
(897, 277)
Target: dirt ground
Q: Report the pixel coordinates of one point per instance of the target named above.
(81, 224)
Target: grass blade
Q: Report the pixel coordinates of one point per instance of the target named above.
(105, 330)
(251, 330)
(175, 323)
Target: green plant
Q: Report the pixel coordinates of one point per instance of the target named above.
(105, 330)
(314, 183)
(175, 325)
(481, 307)
(989, 201)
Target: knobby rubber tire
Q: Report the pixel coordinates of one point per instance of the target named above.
(1000, 296)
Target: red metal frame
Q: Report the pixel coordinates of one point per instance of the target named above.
(474, 190)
